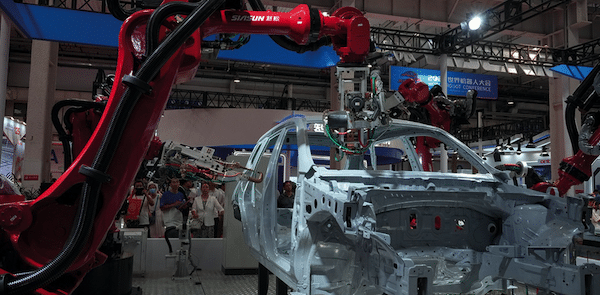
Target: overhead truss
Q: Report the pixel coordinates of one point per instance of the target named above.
(528, 128)
(457, 42)
(422, 43)
(190, 99)
(495, 20)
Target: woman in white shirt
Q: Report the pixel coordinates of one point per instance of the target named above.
(157, 230)
(203, 213)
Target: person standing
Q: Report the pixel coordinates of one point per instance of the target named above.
(157, 229)
(219, 194)
(142, 209)
(170, 202)
(203, 213)
(186, 186)
(286, 199)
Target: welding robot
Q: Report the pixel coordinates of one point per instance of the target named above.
(158, 47)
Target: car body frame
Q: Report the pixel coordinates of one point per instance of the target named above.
(362, 230)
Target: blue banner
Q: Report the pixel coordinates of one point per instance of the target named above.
(575, 72)
(458, 83)
(63, 25)
(84, 27)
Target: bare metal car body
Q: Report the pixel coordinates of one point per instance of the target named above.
(365, 231)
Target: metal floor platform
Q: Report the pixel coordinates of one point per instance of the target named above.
(205, 282)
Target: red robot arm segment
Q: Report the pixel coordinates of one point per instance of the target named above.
(106, 166)
(40, 239)
(349, 29)
(576, 169)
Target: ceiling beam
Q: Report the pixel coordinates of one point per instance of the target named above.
(422, 43)
(495, 20)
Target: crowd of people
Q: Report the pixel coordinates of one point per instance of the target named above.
(163, 212)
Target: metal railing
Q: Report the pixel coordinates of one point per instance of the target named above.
(190, 99)
(528, 127)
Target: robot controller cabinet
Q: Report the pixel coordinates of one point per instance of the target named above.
(135, 242)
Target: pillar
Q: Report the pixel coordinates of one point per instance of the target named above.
(560, 88)
(560, 145)
(290, 95)
(480, 132)
(42, 83)
(335, 105)
(444, 84)
(4, 51)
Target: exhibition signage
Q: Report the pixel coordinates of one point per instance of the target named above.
(31, 177)
(458, 83)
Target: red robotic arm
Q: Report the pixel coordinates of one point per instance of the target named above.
(59, 233)
(576, 169)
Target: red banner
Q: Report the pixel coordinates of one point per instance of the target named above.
(31, 177)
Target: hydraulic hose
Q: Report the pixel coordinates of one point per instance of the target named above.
(571, 126)
(117, 11)
(587, 131)
(286, 42)
(84, 219)
(85, 215)
(62, 134)
(157, 18)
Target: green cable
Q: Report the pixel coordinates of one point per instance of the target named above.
(334, 140)
(336, 158)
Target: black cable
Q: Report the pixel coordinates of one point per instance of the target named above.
(65, 138)
(77, 240)
(100, 77)
(148, 70)
(117, 11)
(157, 18)
(571, 126)
(91, 188)
(168, 230)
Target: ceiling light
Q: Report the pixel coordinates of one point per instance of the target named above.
(544, 152)
(475, 23)
(237, 80)
(508, 145)
(530, 145)
(511, 102)
(498, 145)
(519, 148)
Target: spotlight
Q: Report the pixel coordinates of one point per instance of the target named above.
(544, 152)
(475, 23)
(531, 145)
(508, 145)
